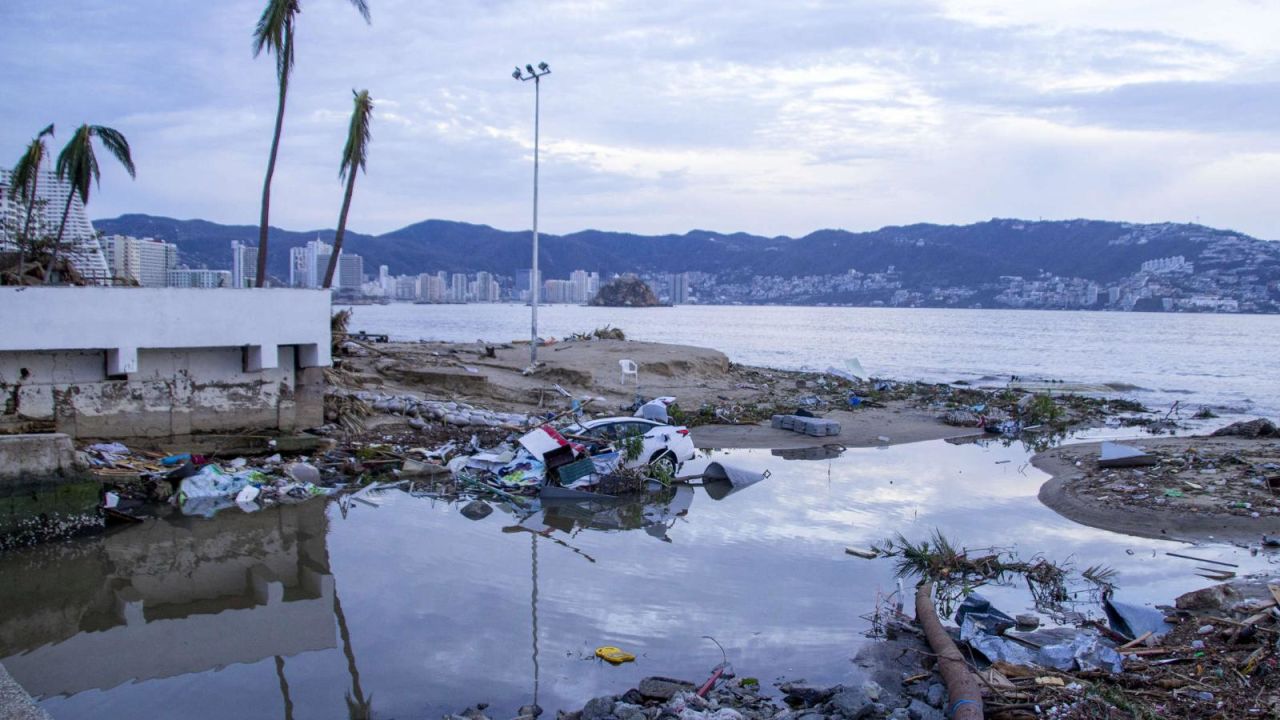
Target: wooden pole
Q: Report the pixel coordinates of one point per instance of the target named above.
(964, 696)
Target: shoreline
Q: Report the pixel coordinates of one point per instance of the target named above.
(1072, 492)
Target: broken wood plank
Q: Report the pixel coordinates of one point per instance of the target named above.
(1204, 560)
(1137, 641)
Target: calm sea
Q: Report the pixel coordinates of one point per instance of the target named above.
(1224, 361)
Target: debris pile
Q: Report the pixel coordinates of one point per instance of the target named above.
(1208, 476)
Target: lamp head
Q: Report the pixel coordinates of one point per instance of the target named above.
(516, 74)
(543, 66)
(529, 68)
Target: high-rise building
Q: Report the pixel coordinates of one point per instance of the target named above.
(679, 294)
(186, 278)
(309, 263)
(458, 288)
(144, 261)
(244, 264)
(79, 241)
(523, 284)
(350, 272)
(384, 280)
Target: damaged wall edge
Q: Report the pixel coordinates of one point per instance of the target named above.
(161, 362)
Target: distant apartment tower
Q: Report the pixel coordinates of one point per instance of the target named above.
(523, 283)
(679, 294)
(185, 278)
(486, 288)
(144, 261)
(350, 274)
(308, 264)
(244, 264)
(458, 288)
(79, 240)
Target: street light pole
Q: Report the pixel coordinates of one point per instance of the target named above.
(529, 73)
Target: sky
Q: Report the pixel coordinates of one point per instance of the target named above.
(765, 117)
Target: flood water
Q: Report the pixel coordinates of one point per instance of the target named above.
(413, 610)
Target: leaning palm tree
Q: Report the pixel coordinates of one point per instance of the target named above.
(26, 179)
(353, 157)
(274, 33)
(79, 166)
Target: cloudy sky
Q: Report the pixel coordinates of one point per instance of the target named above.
(764, 117)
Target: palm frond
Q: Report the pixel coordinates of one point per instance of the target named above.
(363, 8)
(117, 145)
(28, 166)
(274, 34)
(358, 136)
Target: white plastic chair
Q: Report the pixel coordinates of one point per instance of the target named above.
(629, 367)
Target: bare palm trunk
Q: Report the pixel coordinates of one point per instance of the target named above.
(271, 168)
(342, 229)
(26, 230)
(48, 275)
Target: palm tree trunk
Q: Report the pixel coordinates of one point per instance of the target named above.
(342, 229)
(48, 275)
(271, 166)
(26, 229)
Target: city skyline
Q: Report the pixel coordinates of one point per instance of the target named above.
(765, 119)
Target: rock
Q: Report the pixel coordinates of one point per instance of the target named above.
(1027, 621)
(921, 711)
(530, 711)
(476, 712)
(662, 688)
(899, 714)
(598, 708)
(936, 695)
(801, 693)
(1260, 427)
(476, 510)
(1211, 598)
(852, 703)
(633, 696)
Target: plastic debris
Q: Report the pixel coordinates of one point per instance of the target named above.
(613, 655)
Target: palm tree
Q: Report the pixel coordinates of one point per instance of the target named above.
(274, 33)
(78, 165)
(26, 178)
(353, 157)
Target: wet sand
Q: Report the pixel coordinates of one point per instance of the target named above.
(699, 379)
(1071, 492)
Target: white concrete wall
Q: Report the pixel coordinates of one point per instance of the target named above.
(149, 362)
(124, 320)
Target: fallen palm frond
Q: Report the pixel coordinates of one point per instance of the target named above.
(348, 411)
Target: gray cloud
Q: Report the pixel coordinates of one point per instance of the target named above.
(659, 117)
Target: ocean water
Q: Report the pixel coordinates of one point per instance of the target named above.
(1228, 362)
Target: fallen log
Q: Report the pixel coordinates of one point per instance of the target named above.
(964, 695)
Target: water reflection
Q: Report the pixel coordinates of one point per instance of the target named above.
(416, 611)
(168, 598)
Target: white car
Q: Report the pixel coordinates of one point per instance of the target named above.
(665, 447)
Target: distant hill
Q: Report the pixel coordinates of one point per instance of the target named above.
(923, 255)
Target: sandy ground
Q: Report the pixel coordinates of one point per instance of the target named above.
(699, 379)
(1208, 491)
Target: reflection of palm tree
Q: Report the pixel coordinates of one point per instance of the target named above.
(284, 689)
(358, 706)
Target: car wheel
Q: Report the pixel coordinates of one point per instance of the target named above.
(664, 464)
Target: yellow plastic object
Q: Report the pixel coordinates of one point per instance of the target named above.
(613, 655)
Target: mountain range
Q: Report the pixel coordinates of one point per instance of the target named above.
(923, 255)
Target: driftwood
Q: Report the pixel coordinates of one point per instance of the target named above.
(964, 695)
